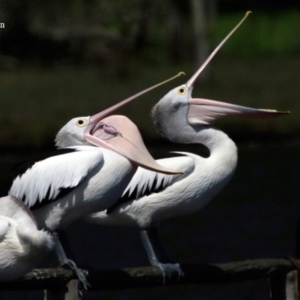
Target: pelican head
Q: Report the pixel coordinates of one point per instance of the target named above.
(72, 134)
(177, 113)
(116, 133)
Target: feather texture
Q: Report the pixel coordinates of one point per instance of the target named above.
(22, 245)
(21, 168)
(145, 182)
(46, 179)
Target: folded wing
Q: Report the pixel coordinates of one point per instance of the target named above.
(54, 177)
(145, 182)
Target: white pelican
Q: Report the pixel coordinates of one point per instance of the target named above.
(79, 178)
(151, 197)
(22, 245)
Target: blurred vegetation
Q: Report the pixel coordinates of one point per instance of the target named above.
(37, 102)
(264, 34)
(76, 58)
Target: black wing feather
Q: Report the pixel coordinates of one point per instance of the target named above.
(134, 195)
(21, 168)
(127, 197)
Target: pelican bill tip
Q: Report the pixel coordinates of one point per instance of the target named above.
(275, 111)
(283, 112)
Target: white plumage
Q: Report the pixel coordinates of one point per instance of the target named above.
(96, 161)
(50, 175)
(144, 180)
(94, 178)
(177, 195)
(182, 119)
(151, 198)
(80, 178)
(22, 245)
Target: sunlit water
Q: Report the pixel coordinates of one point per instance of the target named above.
(255, 216)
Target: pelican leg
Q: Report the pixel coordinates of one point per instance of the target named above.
(157, 254)
(65, 261)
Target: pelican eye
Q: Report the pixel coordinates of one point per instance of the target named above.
(81, 122)
(181, 91)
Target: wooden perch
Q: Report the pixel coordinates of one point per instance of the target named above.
(49, 279)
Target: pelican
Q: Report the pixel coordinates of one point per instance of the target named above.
(151, 198)
(96, 158)
(22, 245)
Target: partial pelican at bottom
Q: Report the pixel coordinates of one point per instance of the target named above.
(22, 245)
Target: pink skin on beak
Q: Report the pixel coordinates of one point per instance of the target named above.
(204, 111)
(119, 134)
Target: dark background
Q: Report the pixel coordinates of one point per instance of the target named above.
(59, 60)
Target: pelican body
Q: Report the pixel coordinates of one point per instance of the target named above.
(95, 161)
(151, 197)
(22, 245)
(95, 178)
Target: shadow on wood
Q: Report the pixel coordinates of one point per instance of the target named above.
(49, 279)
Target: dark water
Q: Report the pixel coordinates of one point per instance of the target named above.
(254, 217)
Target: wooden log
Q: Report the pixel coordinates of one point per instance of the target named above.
(292, 285)
(48, 279)
(58, 294)
(41, 279)
(278, 287)
(72, 291)
(285, 286)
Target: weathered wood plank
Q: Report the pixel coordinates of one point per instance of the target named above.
(72, 291)
(41, 279)
(278, 287)
(292, 285)
(48, 279)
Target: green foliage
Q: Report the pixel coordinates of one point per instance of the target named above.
(262, 34)
(259, 66)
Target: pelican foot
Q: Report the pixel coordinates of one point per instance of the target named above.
(68, 263)
(171, 272)
(65, 262)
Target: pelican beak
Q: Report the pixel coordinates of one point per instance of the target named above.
(205, 112)
(95, 119)
(119, 134)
